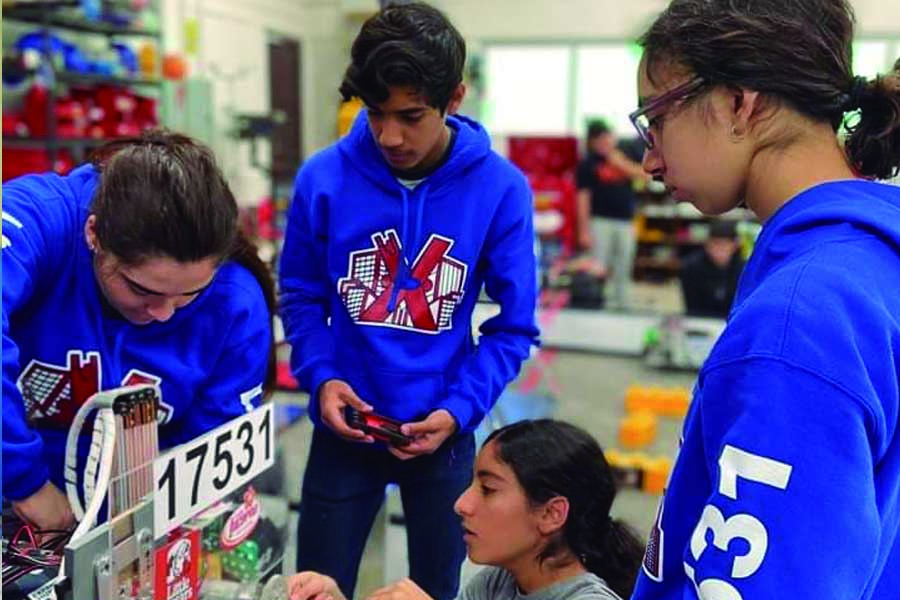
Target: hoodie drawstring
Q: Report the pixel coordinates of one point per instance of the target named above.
(404, 279)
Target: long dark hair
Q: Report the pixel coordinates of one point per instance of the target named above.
(162, 195)
(798, 52)
(410, 44)
(553, 458)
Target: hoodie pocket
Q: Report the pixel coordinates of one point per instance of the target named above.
(405, 395)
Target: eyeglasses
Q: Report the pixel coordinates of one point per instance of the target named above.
(647, 116)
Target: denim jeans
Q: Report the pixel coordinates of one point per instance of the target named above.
(343, 489)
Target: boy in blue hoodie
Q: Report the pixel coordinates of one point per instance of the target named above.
(787, 483)
(392, 234)
(129, 270)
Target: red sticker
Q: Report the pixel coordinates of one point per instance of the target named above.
(177, 568)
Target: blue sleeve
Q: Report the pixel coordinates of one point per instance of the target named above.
(790, 463)
(305, 298)
(506, 339)
(235, 385)
(34, 237)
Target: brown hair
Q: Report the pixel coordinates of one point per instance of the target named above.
(161, 194)
(410, 44)
(796, 51)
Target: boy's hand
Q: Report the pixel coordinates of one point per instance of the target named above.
(427, 435)
(334, 395)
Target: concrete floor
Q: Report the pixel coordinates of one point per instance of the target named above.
(591, 394)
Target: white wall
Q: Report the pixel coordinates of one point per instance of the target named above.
(233, 55)
(496, 20)
(877, 17)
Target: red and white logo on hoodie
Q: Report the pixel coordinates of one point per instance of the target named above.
(426, 306)
(54, 393)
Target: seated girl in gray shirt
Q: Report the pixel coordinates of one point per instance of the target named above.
(537, 513)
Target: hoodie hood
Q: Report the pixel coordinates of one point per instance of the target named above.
(828, 212)
(471, 147)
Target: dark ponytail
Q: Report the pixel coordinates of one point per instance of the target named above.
(615, 555)
(873, 143)
(161, 194)
(553, 458)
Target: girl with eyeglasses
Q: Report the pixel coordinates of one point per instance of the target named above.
(787, 483)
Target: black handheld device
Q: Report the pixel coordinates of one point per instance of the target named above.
(379, 427)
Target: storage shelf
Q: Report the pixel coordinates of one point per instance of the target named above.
(647, 262)
(670, 213)
(671, 242)
(41, 16)
(93, 79)
(10, 141)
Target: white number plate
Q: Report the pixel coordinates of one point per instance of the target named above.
(192, 477)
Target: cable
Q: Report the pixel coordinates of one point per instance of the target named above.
(106, 459)
(100, 401)
(90, 469)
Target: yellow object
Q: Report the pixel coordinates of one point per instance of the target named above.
(212, 566)
(637, 470)
(637, 430)
(656, 475)
(347, 114)
(638, 399)
(191, 36)
(665, 402)
(674, 402)
(148, 59)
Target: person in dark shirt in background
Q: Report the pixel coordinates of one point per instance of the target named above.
(709, 276)
(606, 206)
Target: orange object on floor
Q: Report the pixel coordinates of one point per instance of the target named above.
(637, 430)
(656, 474)
(637, 470)
(665, 402)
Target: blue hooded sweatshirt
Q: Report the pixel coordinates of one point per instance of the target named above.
(787, 483)
(398, 272)
(61, 344)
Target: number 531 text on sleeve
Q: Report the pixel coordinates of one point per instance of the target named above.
(193, 476)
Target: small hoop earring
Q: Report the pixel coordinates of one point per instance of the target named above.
(735, 133)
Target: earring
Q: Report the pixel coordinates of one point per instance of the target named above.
(735, 134)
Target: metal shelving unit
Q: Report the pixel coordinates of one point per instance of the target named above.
(94, 79)
(10, 141)
(46, 17)
(40, 15)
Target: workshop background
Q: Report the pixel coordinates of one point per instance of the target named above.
(257, 80)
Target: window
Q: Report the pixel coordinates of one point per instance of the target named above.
(873, 57)
(527, 89)
(556, 88)
(606, 87)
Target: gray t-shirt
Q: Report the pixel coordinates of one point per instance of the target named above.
(494, 583)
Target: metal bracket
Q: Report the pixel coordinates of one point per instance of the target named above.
(103, 574)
